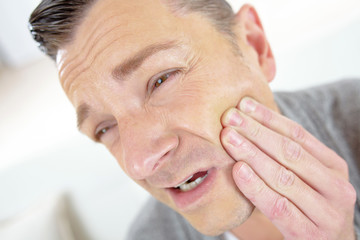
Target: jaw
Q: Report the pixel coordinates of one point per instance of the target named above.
(221, 206)
(225, 209)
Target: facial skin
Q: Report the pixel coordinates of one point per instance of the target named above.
(162, 133)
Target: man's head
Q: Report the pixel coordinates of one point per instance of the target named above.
(151, 81)
(53, 23)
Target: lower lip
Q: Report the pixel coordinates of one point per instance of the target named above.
(185, 200)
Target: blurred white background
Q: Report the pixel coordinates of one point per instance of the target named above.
(41, 151)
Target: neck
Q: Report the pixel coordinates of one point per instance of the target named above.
(257, 227)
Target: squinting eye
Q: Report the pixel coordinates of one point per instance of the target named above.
(101, 132)
(162, 79)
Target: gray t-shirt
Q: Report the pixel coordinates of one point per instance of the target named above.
(330, 112)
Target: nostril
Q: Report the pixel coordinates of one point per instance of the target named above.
(149, 156)
(160, 160)
(155, 166)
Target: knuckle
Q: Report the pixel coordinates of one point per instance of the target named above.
(256, 190)
(259, 189)
(285, 177)
(251, 151)
(298, 133)
(292, 151)
(266, 116)
(280, 209)
(343, 167)
(350, 193)
(255, 131)
(346, 192)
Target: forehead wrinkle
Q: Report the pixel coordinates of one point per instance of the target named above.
(84, 68)
(89, 40)
(89, 45)
(92, 11)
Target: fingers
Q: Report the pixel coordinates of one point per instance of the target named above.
(295, 132)
(278, 178)
(282, 149)
(282, 212)
(290, 176)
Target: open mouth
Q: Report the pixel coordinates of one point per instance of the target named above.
(192, 182)
(191, 192)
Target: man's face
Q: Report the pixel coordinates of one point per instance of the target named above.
(152, 86)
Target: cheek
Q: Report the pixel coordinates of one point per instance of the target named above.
(198, 106)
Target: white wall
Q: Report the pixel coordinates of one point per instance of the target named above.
(41, 150)
(16, 44)
(288, 23)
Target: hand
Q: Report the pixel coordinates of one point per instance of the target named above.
(296, 181)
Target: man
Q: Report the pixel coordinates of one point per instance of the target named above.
(178, 91)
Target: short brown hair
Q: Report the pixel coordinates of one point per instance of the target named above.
(52, 24)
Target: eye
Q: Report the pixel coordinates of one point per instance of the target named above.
(159, 80)
(162, 79)
(102, 130)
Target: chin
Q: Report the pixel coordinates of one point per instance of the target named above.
(214, 225)
(227, 209)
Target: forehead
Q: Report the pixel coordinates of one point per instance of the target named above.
(115, 24)
(124, 16)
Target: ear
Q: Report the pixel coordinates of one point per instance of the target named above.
(251, 32)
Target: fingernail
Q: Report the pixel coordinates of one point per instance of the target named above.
(234, 118)
(247, 105)
(234, 138)
(245, 172)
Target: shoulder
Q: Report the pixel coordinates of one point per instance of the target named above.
(157, 221)
(331, 107)
(341, 96)
(330, 112)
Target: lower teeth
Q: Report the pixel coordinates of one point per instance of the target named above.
(189, 186)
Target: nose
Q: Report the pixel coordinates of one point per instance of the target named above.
(145, 146)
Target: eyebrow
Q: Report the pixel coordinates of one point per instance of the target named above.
(123, 70)
(133, 63)
(82, 113)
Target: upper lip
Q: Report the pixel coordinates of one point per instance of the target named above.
(178, 183)
(187, 179)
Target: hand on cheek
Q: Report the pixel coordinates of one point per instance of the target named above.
(296, 181)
